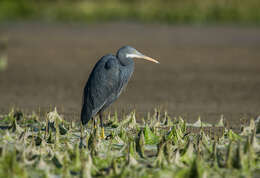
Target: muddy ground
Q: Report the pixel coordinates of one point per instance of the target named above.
(205, 71)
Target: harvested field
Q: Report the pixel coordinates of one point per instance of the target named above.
(206, 71)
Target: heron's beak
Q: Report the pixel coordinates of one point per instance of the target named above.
(141, 56)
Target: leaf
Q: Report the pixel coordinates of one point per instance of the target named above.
(150, 137)
(233, 136)
(140, 142)
(56, 161)
(175, 134)
(221, 121)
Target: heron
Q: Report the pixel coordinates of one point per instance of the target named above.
(108, 78)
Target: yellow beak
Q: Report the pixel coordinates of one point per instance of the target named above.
(149, 59)
(141, 56)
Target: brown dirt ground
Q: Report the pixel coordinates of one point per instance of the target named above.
(204, 71)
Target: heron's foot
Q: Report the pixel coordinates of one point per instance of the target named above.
(102, 136)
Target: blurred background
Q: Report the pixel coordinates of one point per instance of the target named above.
(209, 53)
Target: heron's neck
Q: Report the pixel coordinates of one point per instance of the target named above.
(125, 61)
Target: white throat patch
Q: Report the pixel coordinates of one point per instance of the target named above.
(132, 56)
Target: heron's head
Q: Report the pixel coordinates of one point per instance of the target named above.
(127, 52)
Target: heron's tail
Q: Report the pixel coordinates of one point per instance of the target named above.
(84, 115)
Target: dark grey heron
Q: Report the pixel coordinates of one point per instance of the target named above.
(106, 82)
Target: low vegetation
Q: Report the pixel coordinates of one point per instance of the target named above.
(162, 11)
(159, 146)
(3, 53)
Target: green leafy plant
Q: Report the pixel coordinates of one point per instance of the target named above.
(152, 149)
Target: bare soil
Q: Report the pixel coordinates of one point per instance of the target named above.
(206, 71)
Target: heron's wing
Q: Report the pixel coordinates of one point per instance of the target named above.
(124, 78)
(102, 85)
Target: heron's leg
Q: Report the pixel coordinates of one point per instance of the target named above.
(101, 124)
(94, 122)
